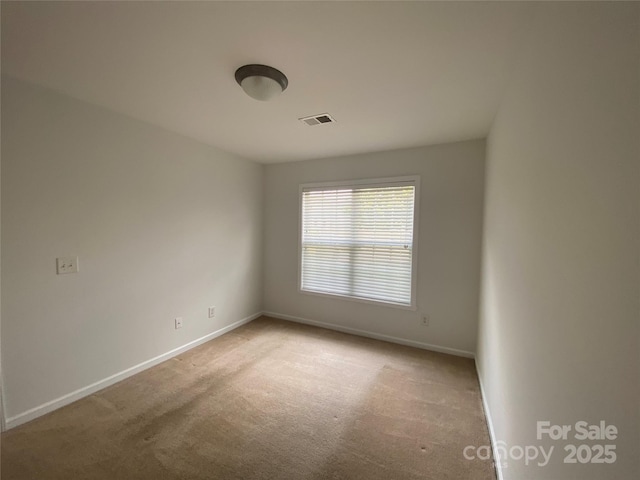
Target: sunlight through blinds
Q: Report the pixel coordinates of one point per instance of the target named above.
(358, 241)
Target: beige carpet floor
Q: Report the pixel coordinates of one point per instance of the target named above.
(270, 400)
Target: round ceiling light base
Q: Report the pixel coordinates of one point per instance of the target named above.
(261, 81)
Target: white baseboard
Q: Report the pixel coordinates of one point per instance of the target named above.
(45, 408)
(377, 336)
(492, 432)
(3, 423)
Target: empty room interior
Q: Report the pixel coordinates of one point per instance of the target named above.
(320, 240)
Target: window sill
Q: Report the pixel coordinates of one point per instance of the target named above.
(379, 303)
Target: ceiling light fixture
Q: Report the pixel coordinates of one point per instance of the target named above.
(261, 81)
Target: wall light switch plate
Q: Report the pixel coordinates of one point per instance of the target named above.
(212, 312)
(178, 322)
(67, 265)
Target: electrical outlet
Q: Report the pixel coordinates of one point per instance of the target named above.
(178, 322)
(212, 312)
(424, 319)
(66, 265)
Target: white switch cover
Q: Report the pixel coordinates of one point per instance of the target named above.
(67, 265)
(178, 322)
(212, 312)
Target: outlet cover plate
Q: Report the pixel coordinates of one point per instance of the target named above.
(66, 265)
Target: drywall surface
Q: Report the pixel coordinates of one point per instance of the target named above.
(163, 227)
(559, 328)
(2, 417)
(450, 229)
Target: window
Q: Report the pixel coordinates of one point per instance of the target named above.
(357, 239)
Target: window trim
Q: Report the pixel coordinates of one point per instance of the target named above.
(372, 182)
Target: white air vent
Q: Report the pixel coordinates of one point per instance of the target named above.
(317, 119)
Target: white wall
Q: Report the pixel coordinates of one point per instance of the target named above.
(164, 226)
(450, 232)
(2, 416)
(559, 328)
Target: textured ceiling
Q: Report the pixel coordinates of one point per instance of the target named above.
(392, 74)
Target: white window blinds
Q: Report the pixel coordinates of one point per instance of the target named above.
(357, 241)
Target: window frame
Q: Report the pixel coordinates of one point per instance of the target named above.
(372, 182)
